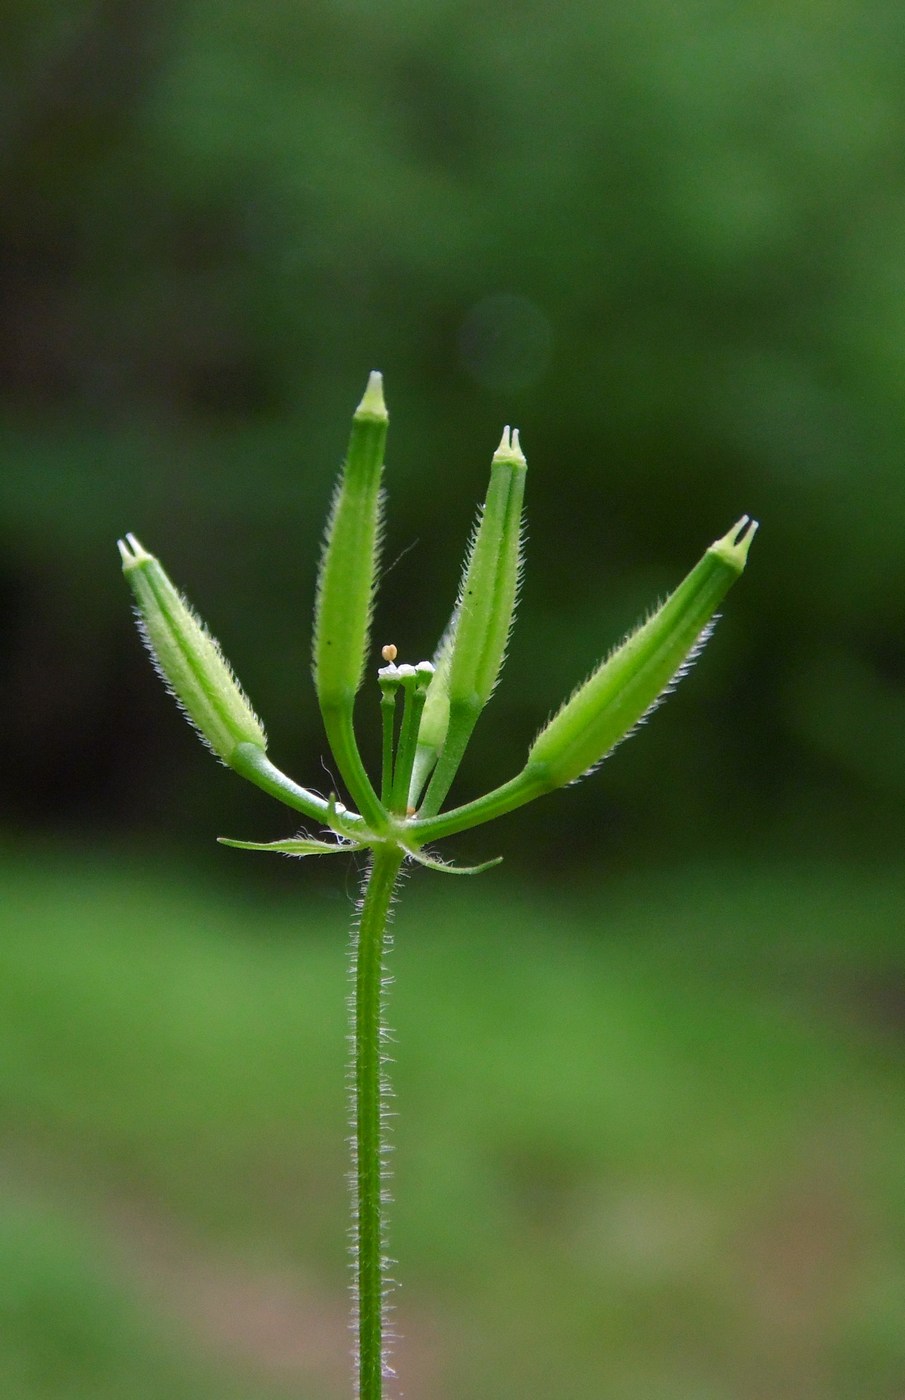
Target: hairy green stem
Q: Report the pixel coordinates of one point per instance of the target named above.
(369, 1086)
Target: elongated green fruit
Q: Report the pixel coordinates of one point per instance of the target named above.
(435, 716)
(348, 569)
(416, 682)
(345, 593)
(189, 659)
(484, 611)
(389, 680)
(636, 675)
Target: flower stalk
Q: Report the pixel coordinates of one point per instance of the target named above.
(441, 703)
(369, 1093)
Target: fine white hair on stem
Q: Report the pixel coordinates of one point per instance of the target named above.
(386, 1113)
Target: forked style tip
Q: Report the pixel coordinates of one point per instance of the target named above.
(132, 552)
(509, 449)
(734, 545)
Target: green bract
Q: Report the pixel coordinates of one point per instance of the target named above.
(421, 750)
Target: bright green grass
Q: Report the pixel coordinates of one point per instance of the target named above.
(650, 1141)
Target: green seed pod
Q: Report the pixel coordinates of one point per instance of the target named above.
(435, 717)
(188, 658)
(484, 613)
(345, 594)
(348, 569)
(636, 675)
(416, 684)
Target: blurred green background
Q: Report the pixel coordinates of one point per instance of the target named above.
(650, 1074)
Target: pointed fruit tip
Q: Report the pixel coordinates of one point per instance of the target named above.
(734, 545)
(373, 404)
